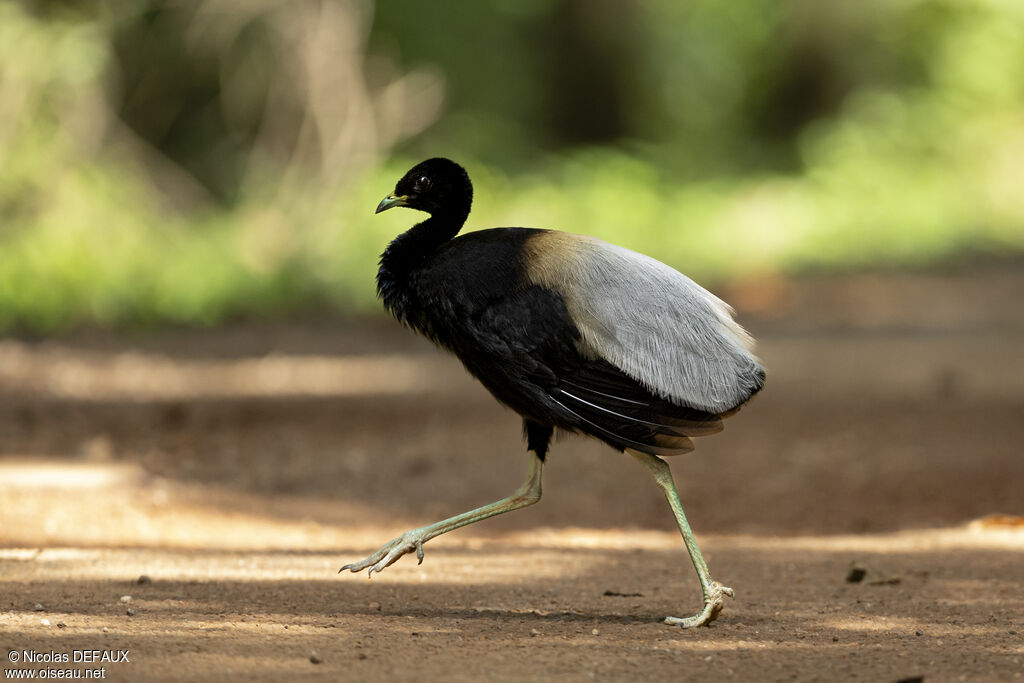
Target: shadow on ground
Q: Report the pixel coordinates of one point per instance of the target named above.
(239, 468)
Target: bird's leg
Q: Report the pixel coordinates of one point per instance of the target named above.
(413, 540)
(714, 592)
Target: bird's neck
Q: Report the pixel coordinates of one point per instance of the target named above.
(412, 247)
(408, 251)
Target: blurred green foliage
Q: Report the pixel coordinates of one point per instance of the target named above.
(189, 162)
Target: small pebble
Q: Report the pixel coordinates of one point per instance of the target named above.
(126, 599)
(534, 633)
(130, 612)
(45, 622)
(1013, 631)
(595, 632)
(708, 658)
(856, 574)
(38, 607)
(375, 605)
(918, 633)
(314, 657)
(143, 579)
(362, 655)
(61, 624)
(106, 630)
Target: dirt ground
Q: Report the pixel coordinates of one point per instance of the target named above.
(189, 496)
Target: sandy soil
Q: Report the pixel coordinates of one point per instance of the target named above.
(237, 469)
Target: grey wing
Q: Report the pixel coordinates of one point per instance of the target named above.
(525, 351)
(653, 323)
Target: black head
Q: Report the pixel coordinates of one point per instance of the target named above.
(437, 186)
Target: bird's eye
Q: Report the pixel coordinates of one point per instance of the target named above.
(422, 184)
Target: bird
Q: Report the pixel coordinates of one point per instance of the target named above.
(572, 333)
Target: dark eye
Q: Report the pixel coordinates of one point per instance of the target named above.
(422, 184)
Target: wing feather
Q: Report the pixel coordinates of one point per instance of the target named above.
(650, 321)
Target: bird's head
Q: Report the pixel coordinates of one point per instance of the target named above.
(437, 186)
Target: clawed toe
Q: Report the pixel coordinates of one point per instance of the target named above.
(714, 601)
(388, 555)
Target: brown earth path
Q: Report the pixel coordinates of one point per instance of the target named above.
(237, 469)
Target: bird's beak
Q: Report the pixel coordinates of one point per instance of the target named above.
(390, 201)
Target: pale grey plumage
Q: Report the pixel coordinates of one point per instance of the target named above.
(651, 321)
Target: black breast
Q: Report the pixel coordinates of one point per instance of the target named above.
(441, 291)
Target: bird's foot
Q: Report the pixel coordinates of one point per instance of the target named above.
(389, 553)
(714, 601)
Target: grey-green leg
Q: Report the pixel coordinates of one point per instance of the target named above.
(527, 494)
(714, 592)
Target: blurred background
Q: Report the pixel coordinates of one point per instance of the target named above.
(188, 247)
(203, 404)
(197, 161)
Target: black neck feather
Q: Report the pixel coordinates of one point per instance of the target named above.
(408, 251)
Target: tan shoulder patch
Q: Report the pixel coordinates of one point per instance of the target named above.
(553, 257)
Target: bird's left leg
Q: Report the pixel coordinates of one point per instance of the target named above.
(413, 540)
(714, 592)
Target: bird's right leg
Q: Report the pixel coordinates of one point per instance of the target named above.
(714, 592)
(413, 540)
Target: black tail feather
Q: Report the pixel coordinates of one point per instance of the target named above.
(620, 411)
(616, 435)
